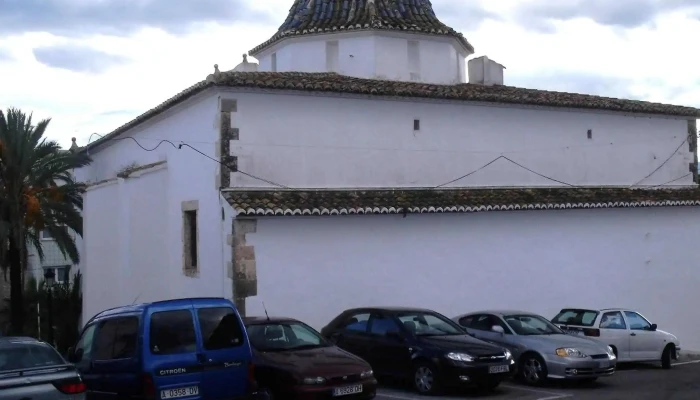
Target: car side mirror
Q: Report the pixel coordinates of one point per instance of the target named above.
(75, 356)
(395, 336)
(498, 329)
(653, 327)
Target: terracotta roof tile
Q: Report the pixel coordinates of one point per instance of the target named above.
(334, 83)
(388, 201)
(328, 16)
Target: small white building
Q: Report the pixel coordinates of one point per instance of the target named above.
(354, 166)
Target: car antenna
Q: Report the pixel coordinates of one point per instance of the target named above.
(268, 316)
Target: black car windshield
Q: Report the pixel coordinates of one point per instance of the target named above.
(22, 355)
(531, 325)
(284, 336)
(423, 323)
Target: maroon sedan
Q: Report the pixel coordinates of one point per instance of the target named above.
(293, 361)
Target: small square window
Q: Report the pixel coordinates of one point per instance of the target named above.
(46, 235)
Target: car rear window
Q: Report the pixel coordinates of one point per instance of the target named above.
(578, 317)
(220, 327)
(19, 355)
(172, 332)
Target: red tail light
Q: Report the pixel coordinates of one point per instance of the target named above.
(591, 332)
(71, 387)
(252, 383)
(148, 387)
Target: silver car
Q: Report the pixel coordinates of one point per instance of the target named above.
(541, 350)
(31, 369)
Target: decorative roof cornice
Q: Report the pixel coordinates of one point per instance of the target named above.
(309, 17)
(402, 201)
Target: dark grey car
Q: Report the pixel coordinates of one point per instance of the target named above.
(31, 369)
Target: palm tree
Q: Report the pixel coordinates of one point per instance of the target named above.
(37, 192)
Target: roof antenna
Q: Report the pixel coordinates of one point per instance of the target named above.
(268, 316)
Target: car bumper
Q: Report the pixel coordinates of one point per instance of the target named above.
(569, 368)
(369, 391)
(463, 374)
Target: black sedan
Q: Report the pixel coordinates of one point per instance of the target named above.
(422, 345)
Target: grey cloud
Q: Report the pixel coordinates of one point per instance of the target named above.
(116, 17)
(5, 55)
(538, 14)
(117, 113)
(466, 16)
(77, 58)
(575, 83)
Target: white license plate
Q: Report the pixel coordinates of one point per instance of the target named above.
(179, 392)
(604, 364)
(346, 390)
(497, 369)
(575, 333)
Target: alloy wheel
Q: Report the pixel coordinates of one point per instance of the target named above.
(424, 379)
(532, 370)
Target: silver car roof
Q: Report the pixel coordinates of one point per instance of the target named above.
(500, 312)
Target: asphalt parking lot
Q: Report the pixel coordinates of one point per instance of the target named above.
(631, 382)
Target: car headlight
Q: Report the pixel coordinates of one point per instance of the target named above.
(507, 354)
(611, 353)
(460, 357)
(314, 381)
(570, 352)
(366, 374)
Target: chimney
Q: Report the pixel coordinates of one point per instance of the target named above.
(483, 71)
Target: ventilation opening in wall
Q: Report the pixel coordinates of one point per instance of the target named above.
(332, 55)
(416, 124)
(190, 242)
(590, 133)
(273, 62)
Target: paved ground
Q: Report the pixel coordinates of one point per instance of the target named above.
(635, 382)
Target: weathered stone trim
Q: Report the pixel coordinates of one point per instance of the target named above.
(244, 271)
(226, 134)
(693, 144)
(189, 270)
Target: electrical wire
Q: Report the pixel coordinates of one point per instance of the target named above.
(662, 164)
(671, 181)
(179, 147)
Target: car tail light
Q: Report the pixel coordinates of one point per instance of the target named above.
(591, 332)
(75, 386)
(252, 383)
(148, 387)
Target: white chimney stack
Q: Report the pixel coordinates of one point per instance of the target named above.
(483, 71)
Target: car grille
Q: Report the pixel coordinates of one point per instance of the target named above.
(491, 358)
(599, 356)
(336, 380)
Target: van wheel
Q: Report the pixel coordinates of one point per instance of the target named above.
(533, 369)
(666, 357)
(426, 379)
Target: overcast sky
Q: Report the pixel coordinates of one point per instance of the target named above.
(94, 65)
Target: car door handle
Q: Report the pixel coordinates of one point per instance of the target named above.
(633, 334)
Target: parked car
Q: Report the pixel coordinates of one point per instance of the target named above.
(166, 350)
(632, 337)
(421, 345)
(293, 361)
(33, 369)
(540, 349)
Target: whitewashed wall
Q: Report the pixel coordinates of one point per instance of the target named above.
(339, 142)
(541, 261)
(133, 227)
(370, 55)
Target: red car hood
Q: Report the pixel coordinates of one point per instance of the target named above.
(321, 361)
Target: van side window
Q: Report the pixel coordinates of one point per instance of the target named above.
(116, 338)
(220, 328)
(172, 332)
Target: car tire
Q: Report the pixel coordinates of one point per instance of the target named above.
(533, 369)
(666, 357)
(265, 394)
(426, 379)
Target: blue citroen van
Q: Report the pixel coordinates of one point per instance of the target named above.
(176, 349)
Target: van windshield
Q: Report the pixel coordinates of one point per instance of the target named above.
(284, 336)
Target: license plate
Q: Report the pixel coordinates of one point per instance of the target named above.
(179, 392)
(346, 390)
(497, 369)
(575, 333)
(604, 364)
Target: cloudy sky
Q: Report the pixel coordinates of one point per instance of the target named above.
(92, 65)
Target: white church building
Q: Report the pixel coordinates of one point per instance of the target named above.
(364, 161)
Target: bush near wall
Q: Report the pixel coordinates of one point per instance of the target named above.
(67, 305)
